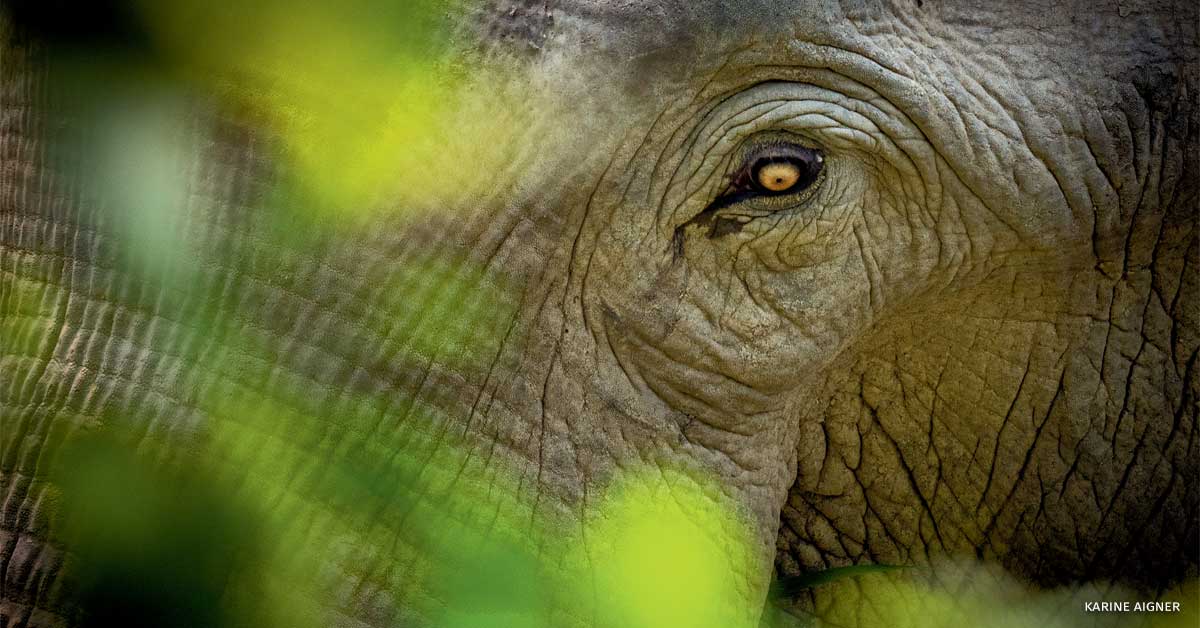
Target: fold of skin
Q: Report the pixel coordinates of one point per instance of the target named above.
(971, 339)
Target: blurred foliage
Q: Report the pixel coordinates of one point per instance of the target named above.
(139, 166)
(368, 105)
(669, 552)
(152, 546)
(270, 520)
(360, 92)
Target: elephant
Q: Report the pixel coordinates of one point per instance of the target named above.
(854, 288)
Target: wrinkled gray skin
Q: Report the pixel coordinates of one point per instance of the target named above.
(978, 336)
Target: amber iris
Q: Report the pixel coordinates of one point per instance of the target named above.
(779, 176)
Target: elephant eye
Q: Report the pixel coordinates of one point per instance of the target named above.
(771, 177)
(776, 169)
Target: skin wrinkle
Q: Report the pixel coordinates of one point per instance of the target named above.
(1125, 398)
(731, 93)
(758, 400)
(588, 324)
(896, 543)
(57, 332)
(922, 131)
(692, 103)
(904, 465)
(976, 71)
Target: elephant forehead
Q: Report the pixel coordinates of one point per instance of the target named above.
(655, 31)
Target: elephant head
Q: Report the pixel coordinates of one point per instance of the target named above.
(834, 286)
